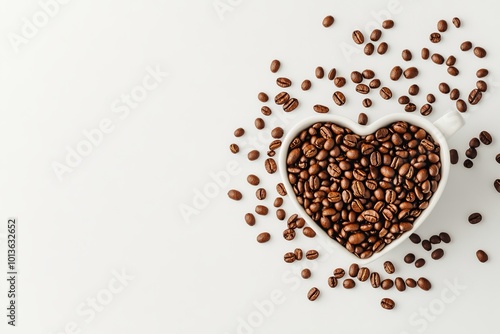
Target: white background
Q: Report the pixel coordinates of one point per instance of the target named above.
(118, 210)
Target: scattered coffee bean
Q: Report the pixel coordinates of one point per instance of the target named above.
(451, 61)
(468, 163)
(445, 237)
(482, 256)
(406, 55)
(362, 119)
(435, 239)
(261, 194)
(426, 244)
(278, 201)
(409, 258)
(263, 237)
(456, 22)
(382, 48)
(239, 132)
(410, 72)
(356, 77)
(466, 46)
(400, 284)
(415, 238)
(234, 195)
(479, 52)
(328, 21)
(453, 71)
(454, 94)
(321, 109)
(369, 49)
(291, 105)
(481, 73)
(234, 148)
(362, 89)
(442, 26)
(259, 123)
(375, 35)
(250, 219)
(389, 267)
(339, 82)
(338, 273)
(280, 214)
(437, 58)
(289, 234)
(367, 103)
(497, 158)
(332, 282)
(368, 74)
(266, 111)
(270, 165)
(425, 53)
(332, 74)
(385, 93)
(313, 294)
(496, 184)
(349, 283)
(320, 72)
(387, 284)
(353, 270)
(461, 105)
(253, 179)
(424, 284)
(444, 88)
(426, 109)
(396, 73)
(305, 273)
(289, 257)
(403, 99)
(410, 282)
(413, 90)
(388, 24)
(410, 107)
(475, 218)
(375, 83)
(357, 37)
(471, 153)
(309, 232)
(280, 188)
(283, 82)
(281, 98)
(453, 156)
(277, 132)
(387, 303)
(435, 37)
(485, 137)
(306, 85)
(263, 97)
(437, 254)
(363, 274)
(375, 279)
(339, 98)
(420, 263)
(261, 210)
(312, 254)
(275, 65)
(298, 254)
(253, 155)
(481, 85)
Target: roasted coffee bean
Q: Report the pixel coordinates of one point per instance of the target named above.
(289, 234)
(328, 21)
(385, 93)
(306, 85)
(263, 97)
(415, 238)
(263, 237)
(389, 267)
(305, 273)
(312, 254)
(426, 244)
(375, 35)
(445, 237)
(283, 82)
(410, 72)
(497, 158)
(357, 238)
(437, 58)
(332, 74)
(353, 270)
(321, 109)
(250, 219)
(431, 98)
(339, 81)
(239, 132)
(387, 284)
(253, 155)
(298, 254)
(435, 37)
(454, 94)
(444, 88)
(320, 72)
(275, 65)
(424, 284)
(362, 89)
(259, 123)
(403, 99)
(482, 256)
(468, 163)
(479, 52)
(261, 210)
(266, 111)
(349, 283)
(396, 73)
(410, 282)
(253, 179)
(270, 165)
(375, 279)
(413, 90)
(339, 98)
(363, 274)
(357, 37)
(409, 258)
(356, 77)
(289, 257)
(234, 195)
(437, 254)
(426, 109)
(362, 119)
(424, 53)
(382, 48)
(410, 107)
(367, 103)
(420, 263)
(282, 98)
(280, 188)
(280, 214)
(313, 294)
(400, 284)
(309, 232)
(234, 148)
(387, 303)
(277, 132)
(291, 105)
(453, 156)
(496, 184)
(481, 73)
(375, 83)
(435, 239)
(332, 282)
(368, 74)
(278, 201)
(456, 22)
(466, 46)
(406, 55)
(471, 153)
(338, 273)
(475, 218)
(485, 137)
(481, 85)
(461, 105)
(442, 26)
(261, 194)
(388, 24)
(452, 70)
(369, 49)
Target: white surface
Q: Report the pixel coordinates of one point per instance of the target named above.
(119, 208)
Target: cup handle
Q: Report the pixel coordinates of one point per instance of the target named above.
(449, 123)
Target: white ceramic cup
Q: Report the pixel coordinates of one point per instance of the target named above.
(439, 130)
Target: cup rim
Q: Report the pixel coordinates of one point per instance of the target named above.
(363, 130)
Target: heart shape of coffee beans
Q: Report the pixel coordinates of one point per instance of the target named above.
(364, 191)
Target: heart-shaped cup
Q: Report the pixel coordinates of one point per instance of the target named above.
(439, 130)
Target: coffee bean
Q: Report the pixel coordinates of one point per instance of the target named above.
(357, 37)
(250, 219)
(400, 284)
(357, 238)
(426, 109)
(468, 163)
(453, 156)
(298, 254)
(387, 284)
(282, 98)
(437, 254)
(445, 237)
(375, 35)
(497, 158)
(309, 232)
(375, 279)
(452, 70)
(426, 244)
(353, 270)
(320, 72)
(266, 111)
(389, 267)
(289, 234)
(410, 107)
(332, 74)
(280, 214)
(263, 97)
(234, 195)
(496, 184)
(387, 303)
(420, 263)
(369, 48)
(424, 284)
(442, 26)
(253, 155)
(239, 132)
(263, 237)
(382, 48)
(306, 85)
(339, 98)
(481, 73)
(485, 137)
(280, 188)
(362, 89)
(456, 22)
(338, 273)
(261, 194)
(410, 72)
(431, 98)
(425, 53)
(259, 123)
(444, 88)
(367, 103)
(362, 118)
(291, 105)
(332, 282)
(234, 148)
(475, 218)
(481, 85)
(471, 153)
(261, 210)
(466, 46)
(479, 52)
(289, 257)
(435, 37)
(277, 132)
(356, 77)
(409, 258)
(339, 82)
(368, 74)
(313, 294)
(349, 283)
(403, 99)
(305, 273)
(461, 105)
(312, 254)
(396, 73)
(328, 21)
(363, 274)
(283, 82)
(454, 94)
(415, 238)
(482, 256)
(275, 65)
(385, 93)
(451, 61)
(435, 239)
(410, 282)
(437, 58)
(406, 55)
(253, 179)
(270, 165)
(413, 90)
(321, 109)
